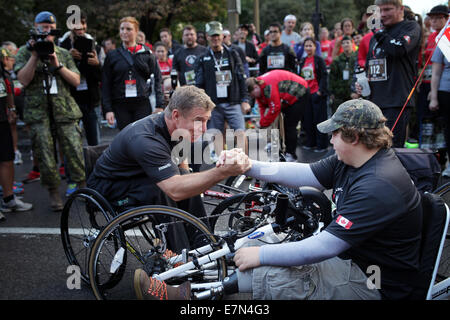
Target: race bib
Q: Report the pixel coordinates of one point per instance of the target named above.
(427, 73)
(275, 61)
(130, 89)
(376, 70)
(2, 89)
(308, 72)
(190, 77)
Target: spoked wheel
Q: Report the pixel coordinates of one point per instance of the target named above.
(148, 237)
(242, 213)
(85, 213)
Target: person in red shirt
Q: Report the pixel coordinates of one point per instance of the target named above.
(347, 30)
(314, 71)
(165, 63)
(325, 44)
(363, 49)
(281, 91)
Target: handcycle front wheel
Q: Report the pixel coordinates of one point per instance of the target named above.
(84, 214)
(240, 213)
(145, 235)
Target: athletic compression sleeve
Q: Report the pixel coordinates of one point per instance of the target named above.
(310, 250)
(291, 174)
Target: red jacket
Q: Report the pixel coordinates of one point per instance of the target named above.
(281, 88)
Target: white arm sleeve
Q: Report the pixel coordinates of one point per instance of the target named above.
(291, 174)
(310, 250)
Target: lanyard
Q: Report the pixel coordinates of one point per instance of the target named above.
(217, 65)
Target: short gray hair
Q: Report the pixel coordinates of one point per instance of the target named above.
(290, 17)
(186, 98)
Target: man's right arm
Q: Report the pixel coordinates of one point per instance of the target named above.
(180, 187)
(26, 73)
(291, 174)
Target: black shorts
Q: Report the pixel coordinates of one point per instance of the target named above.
(6, 142)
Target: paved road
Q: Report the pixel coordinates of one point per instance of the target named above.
(32, 261)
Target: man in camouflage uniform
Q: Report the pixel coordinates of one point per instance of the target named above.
(341, 74)
(65, 112)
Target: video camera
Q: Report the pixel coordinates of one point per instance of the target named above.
(41, 45)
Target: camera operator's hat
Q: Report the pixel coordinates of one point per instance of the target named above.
(4, 53)
(214, 27)
(357, 113)
(45, 17)
(438, 10)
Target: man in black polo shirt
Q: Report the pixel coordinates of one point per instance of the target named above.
(377, 224)
(140, 167)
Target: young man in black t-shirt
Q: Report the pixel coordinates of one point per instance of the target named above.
(376, 229)
(185, 58)
(276, 55)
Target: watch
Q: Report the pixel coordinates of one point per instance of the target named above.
(59, 67)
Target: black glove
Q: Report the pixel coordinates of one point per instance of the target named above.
(379, 34)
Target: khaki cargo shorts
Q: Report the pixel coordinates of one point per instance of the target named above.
(332, 279)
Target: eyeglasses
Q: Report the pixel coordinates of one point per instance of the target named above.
(274, 31)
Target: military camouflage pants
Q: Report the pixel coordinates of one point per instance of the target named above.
(69, 141)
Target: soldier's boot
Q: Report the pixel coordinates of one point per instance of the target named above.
(56, 202)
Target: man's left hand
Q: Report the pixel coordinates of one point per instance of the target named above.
(246, 258)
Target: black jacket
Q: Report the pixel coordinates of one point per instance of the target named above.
(92, 74)
(321, 73)
(121, 65)
(205, 77)
(250, 51)
(399, 45)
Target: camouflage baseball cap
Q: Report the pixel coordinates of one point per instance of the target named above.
(4, 52)
(213, 28)
(357, 113)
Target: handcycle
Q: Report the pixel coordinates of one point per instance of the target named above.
(143, 232)
(141, 237)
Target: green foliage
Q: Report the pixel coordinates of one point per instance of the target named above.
(17, 17)
(332, 11)
(104, 15)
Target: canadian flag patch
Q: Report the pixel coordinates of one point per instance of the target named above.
(343, 222)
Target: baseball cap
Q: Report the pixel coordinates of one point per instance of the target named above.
(357, 113)
(45, 17)
(213, 28)
(440, 9)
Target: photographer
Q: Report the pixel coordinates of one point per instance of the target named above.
(82, 47)
(47, 71)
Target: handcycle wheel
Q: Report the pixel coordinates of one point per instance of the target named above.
(237, 213)
(144, 234)
(84, 214)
